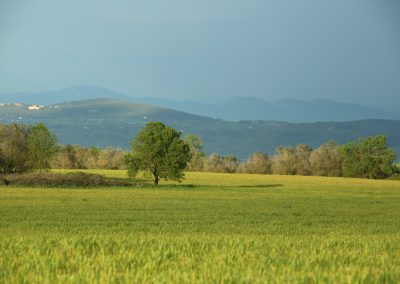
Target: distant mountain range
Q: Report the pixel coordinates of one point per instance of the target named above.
(112, 122)
(235, 109)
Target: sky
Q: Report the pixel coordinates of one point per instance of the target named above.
(206, 50)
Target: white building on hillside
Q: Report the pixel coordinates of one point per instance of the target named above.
(35, 107)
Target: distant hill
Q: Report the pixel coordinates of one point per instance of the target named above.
(111, 122)
(74, 93)
(235, 109)
(291, 110)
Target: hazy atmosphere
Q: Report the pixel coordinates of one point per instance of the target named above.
(209, 141)
(347, 51)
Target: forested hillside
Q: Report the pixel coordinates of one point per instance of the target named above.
(105, 122)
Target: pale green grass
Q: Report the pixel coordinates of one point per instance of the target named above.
(212, 228)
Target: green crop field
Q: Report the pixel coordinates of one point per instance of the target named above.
(212, 228)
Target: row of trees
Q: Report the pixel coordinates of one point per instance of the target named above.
(160, 150)
(78, 157)
(301, 160)
(24, 148)
(365, 158)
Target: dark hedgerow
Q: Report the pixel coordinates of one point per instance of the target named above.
(47, 179)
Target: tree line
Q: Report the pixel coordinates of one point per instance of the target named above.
(367, 157)
(161, 150)
(78, 157)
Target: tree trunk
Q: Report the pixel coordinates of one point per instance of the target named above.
(155, 174)
(156, 179)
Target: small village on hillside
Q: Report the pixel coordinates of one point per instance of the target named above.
(29, 107)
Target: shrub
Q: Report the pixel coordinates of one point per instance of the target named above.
(258, 163)
(284, 161)
(221, 164)
(367, 158)
(396, 172)
(395, 176)
(325, 161)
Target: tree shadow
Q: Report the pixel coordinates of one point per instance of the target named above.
(260, 186)
(197, 186)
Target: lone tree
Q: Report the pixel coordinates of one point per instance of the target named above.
(160, 150)
(42, 147)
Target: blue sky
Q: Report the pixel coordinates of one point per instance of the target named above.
(344, 50)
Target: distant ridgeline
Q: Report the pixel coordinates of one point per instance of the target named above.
(110, 122)
(233, 109)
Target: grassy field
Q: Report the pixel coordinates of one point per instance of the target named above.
(212, 228)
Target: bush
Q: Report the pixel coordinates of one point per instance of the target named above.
(325, 161)
(78, 157)
(78, 179)
(395, 176)
(258, 163)
(284, 161)
(221, 164)
(396, 172)
(367, 158)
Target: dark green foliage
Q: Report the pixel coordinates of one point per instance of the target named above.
(158, 148)
(24, 148)
(195, 143)
(396, 172)
(367, 158)
(42, 147)
(396, 168)
(14, 156)
(61, 180)
(395, 176)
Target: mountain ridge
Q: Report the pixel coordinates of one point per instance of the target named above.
(234, 109)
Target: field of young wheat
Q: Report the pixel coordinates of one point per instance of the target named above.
(211, 228)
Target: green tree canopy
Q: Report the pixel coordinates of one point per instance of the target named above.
(367, 158)
(42, 147)
(159, 149)
(195, 143)
(197, 155)
(13, 148)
